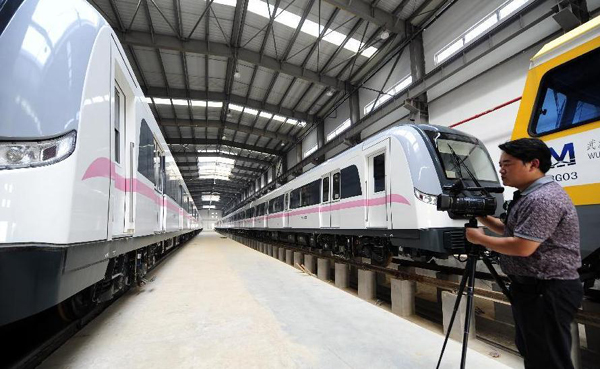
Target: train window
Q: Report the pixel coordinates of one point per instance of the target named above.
(325, 189)
(568, 96)
(146, 152)
(379, 173)
(336, 186)
(285, 202)
(311, 192)
(295, 199)
(117, 123)
(261, 209)
(350, 182)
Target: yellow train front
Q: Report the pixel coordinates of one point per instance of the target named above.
(561, 106)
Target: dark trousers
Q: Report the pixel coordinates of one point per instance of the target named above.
(543, 311)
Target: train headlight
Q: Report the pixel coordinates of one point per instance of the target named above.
(15, 155)
(426, 198)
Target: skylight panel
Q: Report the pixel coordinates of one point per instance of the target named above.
(448, 51)
(394, 90)
(209, 206)
(214, 198)
(311, 28)
(292, 121)
(179, 102)
(160, 101)
(341, 128)
(251, 111)
(148, 100)
(279, 118)
(236, 107)
(310, 151)
(480, 28)
(265, 115)
(510, 8)
(215, 167)
(292, 20)
(214, 104)
(288, 18)
(337, 38)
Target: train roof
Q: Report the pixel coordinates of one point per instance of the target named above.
(567, 42)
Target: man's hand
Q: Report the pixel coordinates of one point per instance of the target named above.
(474, 235)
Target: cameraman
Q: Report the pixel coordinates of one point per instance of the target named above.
(539, 251)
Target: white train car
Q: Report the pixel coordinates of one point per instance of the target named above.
(90, 195)
(376, 199)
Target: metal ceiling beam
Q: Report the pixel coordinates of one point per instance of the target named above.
(227, 125)
(164, 42)
(208, 187)
(214, 141)
(236, 166)
(160, 92)
(370, 13)
(189, 154)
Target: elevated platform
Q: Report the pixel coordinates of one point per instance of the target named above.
(218, 304)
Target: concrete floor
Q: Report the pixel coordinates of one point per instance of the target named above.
(218, 304)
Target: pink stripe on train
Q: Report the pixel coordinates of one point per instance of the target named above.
(104, 167)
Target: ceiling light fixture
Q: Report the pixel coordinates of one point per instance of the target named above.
(384, 35)
(237, 74)
(329, 92)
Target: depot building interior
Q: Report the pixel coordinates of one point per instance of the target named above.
(298, 148)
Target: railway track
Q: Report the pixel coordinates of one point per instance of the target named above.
(403, 272)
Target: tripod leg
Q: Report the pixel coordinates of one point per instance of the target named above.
(469, 311)
(497, 278)
(461, 289)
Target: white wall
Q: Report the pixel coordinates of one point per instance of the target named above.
(209, 218)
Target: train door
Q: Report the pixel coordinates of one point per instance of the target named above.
(334, 212)
(180, 215)
(286, 210)
(325, 207)
(159, 180)
(118, 190)
(377, 184)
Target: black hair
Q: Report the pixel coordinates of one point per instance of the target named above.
(527, 149)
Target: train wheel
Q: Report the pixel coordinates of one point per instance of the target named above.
(381, 255)
(75, 306)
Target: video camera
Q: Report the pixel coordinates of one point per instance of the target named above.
(460, 204)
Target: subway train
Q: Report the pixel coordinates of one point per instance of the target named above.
(378, 199)
(90, 196)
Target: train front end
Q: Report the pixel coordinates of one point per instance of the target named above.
(441, 161)
(46, 53)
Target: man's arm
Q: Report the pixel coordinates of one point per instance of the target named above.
(512, 246)
(494, 224)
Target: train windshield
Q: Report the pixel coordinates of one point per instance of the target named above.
(457, 151)
(7, 10)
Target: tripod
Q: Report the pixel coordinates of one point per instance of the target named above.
(474, 253)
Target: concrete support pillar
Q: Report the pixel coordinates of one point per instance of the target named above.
(289, 257)
(275, 253)
(270, 250)
(342, 275)
(367, 285)
(448, 301)
(403, 297)
(281, 255)
(323, 269)
(310, 263)
(298, 258)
